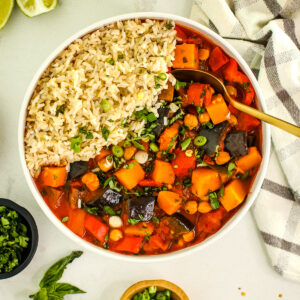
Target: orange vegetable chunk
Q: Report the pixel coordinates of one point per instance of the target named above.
(249, 161)
(234, 194)
(76, 221)
(130, 244)
(205, 180)
(163, 172)
(98, 229)
(166, 138)
(186, 56)
(132, 176)
(217, 59)
(53, 176)
(140, 229)
(217, 109)
(91, 181)
(169, 202)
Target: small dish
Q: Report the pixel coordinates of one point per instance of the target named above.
(177, 292)
(32, 234)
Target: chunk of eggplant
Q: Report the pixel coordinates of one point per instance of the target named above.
(77, 169)
(178, 224)
(236, 143)
(141, 208)
(110, 198)
(213, 137)
(163, 113)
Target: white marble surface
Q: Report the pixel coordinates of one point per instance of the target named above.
(238, 260)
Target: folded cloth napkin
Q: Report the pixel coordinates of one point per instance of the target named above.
(267, 35)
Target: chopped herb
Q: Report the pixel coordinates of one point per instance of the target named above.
(120, 56)
(105, 104)
(65, 219)
(130, 165)
(109, 210)
(230, 167)
(112, 183)
(175, 166)
(169, 25)
(110, 61)
(44, 193)
(184, 59)
(75, 143)
(124, 123)
(180, 85)
(154, 147)
(133, 221)
(178, 183)
(138, 145)
(155, 220)
(140, 71)
(106, 75)
(245, 176)
(89, 134)
(203, 93)
(176, 117)
(151, 117)
(60, 110)
(185, 144)
(162, 76)
(200, 110)
(217, 151)
(221, 192)
(187, 182)
(209, 125)
(213, 199)
(157, 86)
(105, 132)
(91, 210)
(182, 130)
(245, 85)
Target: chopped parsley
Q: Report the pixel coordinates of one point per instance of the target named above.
(105, 132)
(213, 199)
(230, 167)
(60, 110)
(76, 143)
(169, 25)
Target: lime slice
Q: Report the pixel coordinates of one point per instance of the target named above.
(6, 7)
(32, 8)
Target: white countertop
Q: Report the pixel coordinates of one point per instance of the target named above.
(214, 273)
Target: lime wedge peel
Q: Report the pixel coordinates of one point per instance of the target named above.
(6, 8)
(32, 8)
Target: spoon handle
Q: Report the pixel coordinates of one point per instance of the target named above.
(293, 129)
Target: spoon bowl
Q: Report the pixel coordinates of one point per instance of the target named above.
(217, 84)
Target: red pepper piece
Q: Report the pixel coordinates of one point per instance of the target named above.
(98, 229)
(129, 244)
(217, 59)
(183, 163)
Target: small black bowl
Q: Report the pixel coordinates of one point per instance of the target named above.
(33, 235)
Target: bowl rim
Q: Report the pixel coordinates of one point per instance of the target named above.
(30, 222)
(266, 139)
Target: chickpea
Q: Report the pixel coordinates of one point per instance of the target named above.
(129, 152)
(222, 158)
(204, 207)
(190, 121)
(203, 54)
(188, 237)
(191, 207)
(204, 118)
(115, 235)
(232, 91)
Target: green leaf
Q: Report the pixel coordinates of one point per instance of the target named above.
(55, 272)
(61, 289)
(42, 294)
(105, 132)
(213, 199)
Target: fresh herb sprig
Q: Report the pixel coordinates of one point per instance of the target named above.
(50, 288)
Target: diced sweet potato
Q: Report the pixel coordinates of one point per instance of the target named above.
(249, 161)
(234, 194)
(163, 172)
(205, 180)
(132, 176)
(140, 229)
(217, 109)
(168, 136)
(186, 56)
(169, 202)
(53, 176)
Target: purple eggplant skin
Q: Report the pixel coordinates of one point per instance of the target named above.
(236, 143)
(178, 224)
(213, 137)
(162, 113)
(110, 198)
(77, 168)
(141, 208)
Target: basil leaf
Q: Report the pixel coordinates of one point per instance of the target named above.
(40, 295)
(61, 289)
(55, 272)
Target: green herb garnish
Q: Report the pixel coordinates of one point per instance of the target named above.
(185, 144)
(109, 210)
(230, 167)
(169, 25)
(105, 132)
(180, 85)
(213, 199)
(75, 143)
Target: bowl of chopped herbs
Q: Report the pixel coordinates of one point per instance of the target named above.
(18, 238)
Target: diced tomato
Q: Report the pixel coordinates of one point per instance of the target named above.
(149, 182)
(129, 244)
(182, 163)
(156, 242)
(198, 93)
(98, 229)
(247, 122)
(76, 221)
(180, 33)
(217, 59)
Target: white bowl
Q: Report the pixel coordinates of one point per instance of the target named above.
(265, 141)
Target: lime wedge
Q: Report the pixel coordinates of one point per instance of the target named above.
(32, 8)
(6, 7)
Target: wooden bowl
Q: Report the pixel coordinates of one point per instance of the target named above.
(177, 292)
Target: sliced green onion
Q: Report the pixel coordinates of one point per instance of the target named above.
(200, 141)
(138, 145)
(110, 61)
(109, 210)
(154, 147)
(65, 219)
(185, 144)
(230, 167)
(162, 76)
(179, 85)
(126, 144)
(117, 151)
(75, 143)
(151, 117)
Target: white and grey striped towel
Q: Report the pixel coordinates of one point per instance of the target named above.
(267, 35)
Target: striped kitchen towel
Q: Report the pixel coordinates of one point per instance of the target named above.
(267, 35)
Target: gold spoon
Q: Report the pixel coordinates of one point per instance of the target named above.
(205, 77)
